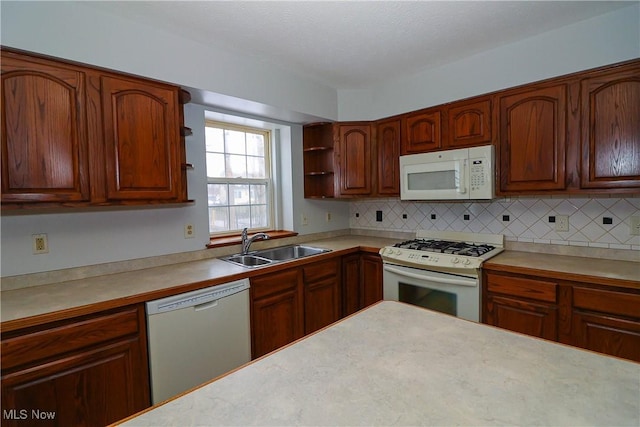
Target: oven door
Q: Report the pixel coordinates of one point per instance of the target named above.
(443, 292)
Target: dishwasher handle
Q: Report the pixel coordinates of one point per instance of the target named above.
(196, 298)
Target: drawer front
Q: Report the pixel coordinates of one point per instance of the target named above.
(274, 283)
(320, 270)
(620, 303)
(535, 289)
(68, 337)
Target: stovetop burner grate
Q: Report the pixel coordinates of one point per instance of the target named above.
(446, 247)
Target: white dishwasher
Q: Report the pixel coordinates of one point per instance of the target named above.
(197, 336)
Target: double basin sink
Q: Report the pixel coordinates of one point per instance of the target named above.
(270, 256)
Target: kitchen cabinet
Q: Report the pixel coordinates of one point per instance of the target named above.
(469, 123)
(533, 138)
(610, 114)
(78, 136)
(277, 317)
(87, 371)
(422, 131)
(355, 159)
(582, 313)
(322, 294)
(318, 160)
(362, 281)
(387, 149)
(521, 304)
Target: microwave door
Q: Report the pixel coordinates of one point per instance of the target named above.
(435, 181)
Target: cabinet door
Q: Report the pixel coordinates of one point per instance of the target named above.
(371, 279)
(533, 132)
(350, 284)
(535, 319)
(142, 137)
(388, 151)
(321, 294)
(44, 131)
(276, 311)
(355, 160)
(422, 132)
(611, 129)
(469, 124)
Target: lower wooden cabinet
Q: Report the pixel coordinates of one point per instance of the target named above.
(88, 371)
(605, 319)
(322, 296)
(361, 281)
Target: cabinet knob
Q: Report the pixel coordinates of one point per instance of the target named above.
(187, 166)
(185, 131)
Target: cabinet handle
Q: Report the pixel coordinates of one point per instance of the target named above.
(185, 131)
(187, 166)
(184, 97)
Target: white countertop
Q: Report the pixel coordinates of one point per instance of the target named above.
(398, 365)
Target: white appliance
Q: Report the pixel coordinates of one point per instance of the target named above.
(197, 336)
(439, 270)
(460, 174)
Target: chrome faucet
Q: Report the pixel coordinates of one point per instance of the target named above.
(246, 242)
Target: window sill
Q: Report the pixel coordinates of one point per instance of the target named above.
(236, 240)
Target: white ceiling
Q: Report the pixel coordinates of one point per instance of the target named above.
(357, 44)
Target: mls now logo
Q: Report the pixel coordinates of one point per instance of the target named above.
(24, 414)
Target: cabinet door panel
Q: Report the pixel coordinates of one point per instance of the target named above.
(388, 150)
(371, 287)
(469, 124)
(351, 284)
(422, 132)
(141, 138)
(44, 132)
(321, 303)
(538, 320)
(608, 335)
(355, 160)
(533, 134)
(611, 130)
(275, 322)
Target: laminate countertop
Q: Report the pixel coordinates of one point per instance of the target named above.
(399, 365)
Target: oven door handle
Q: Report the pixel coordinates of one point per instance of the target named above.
(458, 281)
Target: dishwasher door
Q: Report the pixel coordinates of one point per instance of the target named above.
(197, 336)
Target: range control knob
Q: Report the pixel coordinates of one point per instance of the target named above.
(398, 252)
(455, 260)
(467, 262)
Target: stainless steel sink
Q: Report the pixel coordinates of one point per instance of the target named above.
(269, 256)
(285, 253)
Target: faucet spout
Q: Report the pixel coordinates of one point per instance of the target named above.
(246, 241)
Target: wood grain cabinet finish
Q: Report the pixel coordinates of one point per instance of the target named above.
(610, 116)
(44, 131)
(355, 151)
(78, 136)
(141, 130)
(524, 305)
(319, 160)
(362, 281)
(322, 294)
(597, 317)
(277, 316)
(533, 133)
(469, 123)
(422, 132)
(388, 154)
(89, 371)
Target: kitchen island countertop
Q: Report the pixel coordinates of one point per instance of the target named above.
(395, 364)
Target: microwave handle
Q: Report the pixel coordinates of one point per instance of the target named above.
(462, 188)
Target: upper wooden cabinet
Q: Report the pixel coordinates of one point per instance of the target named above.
(319, 160)
(354, 158)
(610, 114)
(422, 132)
(44, 131)
(74, 135)
(388, 153)
(533, 132)
(469, 123)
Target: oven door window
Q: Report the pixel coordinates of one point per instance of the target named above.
(432, 299)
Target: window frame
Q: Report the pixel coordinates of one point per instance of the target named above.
(268, 181)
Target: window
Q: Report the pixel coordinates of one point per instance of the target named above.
(238, 178)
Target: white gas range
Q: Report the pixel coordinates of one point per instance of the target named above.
(439, 270)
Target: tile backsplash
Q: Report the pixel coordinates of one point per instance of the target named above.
(600, 222)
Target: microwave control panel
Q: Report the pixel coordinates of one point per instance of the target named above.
(481, 176)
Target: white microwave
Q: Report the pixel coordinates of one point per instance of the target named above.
(460, 174)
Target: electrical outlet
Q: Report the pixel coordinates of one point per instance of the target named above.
(40, 244)
(562, 223)
(189, 231)
(634, 226)
(328, 216)
(304, 220)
